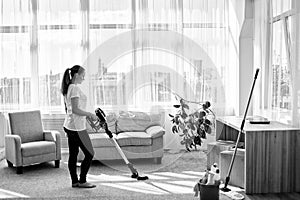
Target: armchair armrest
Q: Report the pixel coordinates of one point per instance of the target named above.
(54, 136)
(155, 131)
(13, 149)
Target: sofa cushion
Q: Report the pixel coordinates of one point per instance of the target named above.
(155, 131)
(130, 121)
(37, 148)
(101, 140)
(134, 139)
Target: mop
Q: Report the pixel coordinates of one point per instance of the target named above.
(101, 123)
(225, 189)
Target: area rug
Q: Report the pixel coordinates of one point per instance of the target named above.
(174, 178)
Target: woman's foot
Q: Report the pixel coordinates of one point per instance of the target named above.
(75, 185)
(86, 185)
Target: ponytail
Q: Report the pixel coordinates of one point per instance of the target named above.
(66, 81)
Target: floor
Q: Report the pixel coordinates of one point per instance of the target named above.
(175, 179)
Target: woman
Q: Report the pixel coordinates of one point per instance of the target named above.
(75, 125)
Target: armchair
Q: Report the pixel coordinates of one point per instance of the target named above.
(28, 143)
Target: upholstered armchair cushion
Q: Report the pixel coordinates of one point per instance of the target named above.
(37, 148)
(28, 125)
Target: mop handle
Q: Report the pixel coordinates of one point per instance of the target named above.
(242, 125)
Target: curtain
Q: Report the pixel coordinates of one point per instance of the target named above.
(262, 39)
(138, 54)
(15, 68)
(295, 65)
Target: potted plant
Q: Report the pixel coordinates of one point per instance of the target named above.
(192, 126)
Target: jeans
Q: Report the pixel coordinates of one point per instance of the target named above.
(78, 139)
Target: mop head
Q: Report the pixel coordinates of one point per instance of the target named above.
(225, 188)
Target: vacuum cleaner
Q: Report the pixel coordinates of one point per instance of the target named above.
(101, 123)
(225, 189)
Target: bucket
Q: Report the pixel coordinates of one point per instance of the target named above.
(209, 192)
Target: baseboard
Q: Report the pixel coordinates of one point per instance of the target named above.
(2, 154)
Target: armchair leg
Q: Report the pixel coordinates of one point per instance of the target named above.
(20, 170)
(56, 163)
(9, 164)
(157, 160)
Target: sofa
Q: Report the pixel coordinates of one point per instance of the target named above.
(139, 134)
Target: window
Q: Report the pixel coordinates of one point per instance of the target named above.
(281, 91)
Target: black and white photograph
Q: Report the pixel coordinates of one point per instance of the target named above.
(150, 99)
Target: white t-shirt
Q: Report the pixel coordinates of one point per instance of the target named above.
(72, 121)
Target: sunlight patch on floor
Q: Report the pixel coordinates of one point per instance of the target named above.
(175, 189)
(177, 175)
(184, 183)
(137, 187)
(108, 178)
(199, 174)
(159, 183)
(5, 194)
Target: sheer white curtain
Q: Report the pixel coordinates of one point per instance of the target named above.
(15, 18)
(39, 39)
(295, 63)
(187, 47)
(262, 39)
(109, 60)
(137, 53)
(60, 47)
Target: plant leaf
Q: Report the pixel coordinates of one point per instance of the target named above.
(207, 121)
(209, 130)
(202, 114)
(177, 119)
(181, 135)
(207, 104)
(174, 129)
(193, 127)
(176, 106)
(185, 106)
(184, 115)
(171, 115)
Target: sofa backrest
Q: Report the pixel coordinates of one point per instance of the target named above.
(137, 121)
(28, 125)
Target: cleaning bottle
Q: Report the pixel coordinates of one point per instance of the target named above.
(217, 177)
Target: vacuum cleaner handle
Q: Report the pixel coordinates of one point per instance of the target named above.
(102, 118)
(120, 150)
